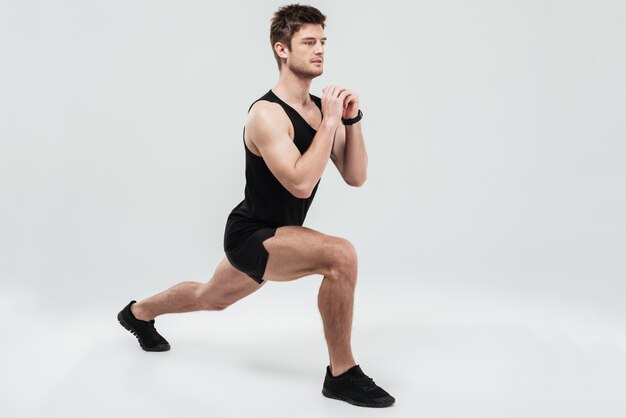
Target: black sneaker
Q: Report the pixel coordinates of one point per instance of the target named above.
(357, 388)
(149, 338)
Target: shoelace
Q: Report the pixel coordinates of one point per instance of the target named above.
(366, 382)
(152, 330)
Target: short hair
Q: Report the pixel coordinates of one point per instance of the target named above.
(288, 20)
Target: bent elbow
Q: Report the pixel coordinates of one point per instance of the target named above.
(301, 191)
(357, 183)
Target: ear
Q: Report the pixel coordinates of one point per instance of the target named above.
(281, 50)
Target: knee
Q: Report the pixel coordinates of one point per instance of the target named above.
(209, 305)
(206, 302)
(345, 262)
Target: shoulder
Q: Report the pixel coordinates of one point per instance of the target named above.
(264, 114)
(264, 109)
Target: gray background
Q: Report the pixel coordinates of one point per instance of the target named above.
(496, 139)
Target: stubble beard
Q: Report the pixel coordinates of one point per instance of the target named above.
(305, 73)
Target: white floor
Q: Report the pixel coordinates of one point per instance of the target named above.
(441, 351)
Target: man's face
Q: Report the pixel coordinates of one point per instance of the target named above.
(306, 57)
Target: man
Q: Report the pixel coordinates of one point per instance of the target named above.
(289, 135)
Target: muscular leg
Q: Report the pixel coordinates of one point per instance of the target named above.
(227, 286)
(296, 251)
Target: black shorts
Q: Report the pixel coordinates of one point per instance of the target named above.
(243, 245)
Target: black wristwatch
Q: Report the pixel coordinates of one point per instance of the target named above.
(353, 120)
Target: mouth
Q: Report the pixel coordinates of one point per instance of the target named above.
(317, 61)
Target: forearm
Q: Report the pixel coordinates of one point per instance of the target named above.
(311, 165)
(355, 155)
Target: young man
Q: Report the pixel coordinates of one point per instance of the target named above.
(289, 136)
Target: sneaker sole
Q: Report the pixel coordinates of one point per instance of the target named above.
(160, 347)
(331, 395)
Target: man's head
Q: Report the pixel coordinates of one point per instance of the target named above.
(297, 38)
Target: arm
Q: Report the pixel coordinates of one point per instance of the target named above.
(349, 154)
(298, 173)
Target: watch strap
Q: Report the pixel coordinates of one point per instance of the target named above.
(353, 120)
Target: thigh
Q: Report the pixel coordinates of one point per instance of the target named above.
(227, 286)
(298, 251)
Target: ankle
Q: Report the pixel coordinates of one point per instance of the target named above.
(340, 368)
(139, 313)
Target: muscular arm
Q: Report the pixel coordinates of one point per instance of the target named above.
(298, 173)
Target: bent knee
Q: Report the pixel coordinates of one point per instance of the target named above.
(344, 257)
(206, 300)
(208, 304)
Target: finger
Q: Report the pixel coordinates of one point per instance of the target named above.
(343, 95)
(340, 89)
(352, 98)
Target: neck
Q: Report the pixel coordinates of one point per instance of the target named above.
(293, 88)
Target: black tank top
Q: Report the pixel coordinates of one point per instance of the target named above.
(266, 199)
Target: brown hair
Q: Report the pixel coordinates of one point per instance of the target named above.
(288, 19)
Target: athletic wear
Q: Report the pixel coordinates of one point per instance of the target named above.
(267, 204)
(357, 388)
(146, 333)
